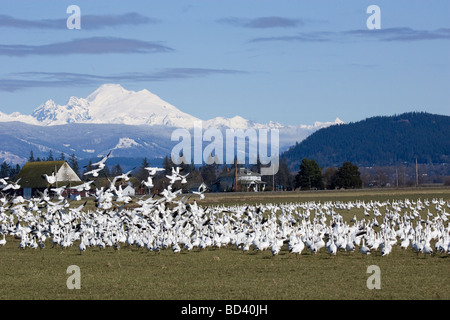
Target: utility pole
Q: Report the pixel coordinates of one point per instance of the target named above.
(235, 175)
(273, 178)
(396, 175)
(417, 175)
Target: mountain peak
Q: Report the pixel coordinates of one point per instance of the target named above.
(111, 103)
(108, 90)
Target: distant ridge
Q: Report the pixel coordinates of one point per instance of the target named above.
(113, 104)
(134, 124)
(381, 140)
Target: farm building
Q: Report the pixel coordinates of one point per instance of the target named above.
(128, 187)
(197, 186)
(246, 181)
(32, 177)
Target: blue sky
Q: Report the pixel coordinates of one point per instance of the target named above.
(294, 62)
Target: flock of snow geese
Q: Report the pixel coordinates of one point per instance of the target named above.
(170, 221)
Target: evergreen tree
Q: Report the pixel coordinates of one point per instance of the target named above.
(209, 174)
(5, 170)
(116, 170)
(329, 178)
(309, 176)
(192, 179)
(142, 174)
(168, 165)
(88, 168)
(348, 176)
(284, 177)
(105, 172)
(16, 171)
(145, 163)
(62, 157)
(73, 162)
(31, 158)
(50, 156)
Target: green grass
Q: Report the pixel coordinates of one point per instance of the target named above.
(227, 273)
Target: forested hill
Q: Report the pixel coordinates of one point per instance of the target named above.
(383, 140)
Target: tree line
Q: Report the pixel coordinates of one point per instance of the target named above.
(378, 141)
(72, 159)
(310, 176)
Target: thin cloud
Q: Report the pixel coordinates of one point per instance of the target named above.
(401, 34)
(262, 22)
(388, 34)
(88, 22)
(94, 45)
(182, 73)
(26, 80)
(299, 37)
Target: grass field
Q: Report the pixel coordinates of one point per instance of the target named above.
(228, 273)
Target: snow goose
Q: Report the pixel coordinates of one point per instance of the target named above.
(427, 249)
(82, 245)
(152, 170)
(101, 164)
(332, 248)
(3, 241)
(364, 250)
(275, 248)
(297, 247)
(12, 185)
(386, 248)
(148, 183)
(51, 179)
(94, 172)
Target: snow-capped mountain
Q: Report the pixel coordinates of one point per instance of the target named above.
(134, 124)
(113, 104)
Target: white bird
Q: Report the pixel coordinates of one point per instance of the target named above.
(51, 179)
(176, 248)
(386, 248)
(349, 245)
(405, 243)
(12, 185)
(59, 191)
(332, 248)
(364, 250)
(152, 170)
(101, 164)
(298, 247)
(427, 248)
(83, 187)
(3, 241)
(275, 248)
(124, 176)
(94, 172)
(82, 245)
(173, 178)
(148, 183)
(202, 196)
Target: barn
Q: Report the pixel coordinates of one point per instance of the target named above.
(246, 181)
(128, 187)
(32, 179)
